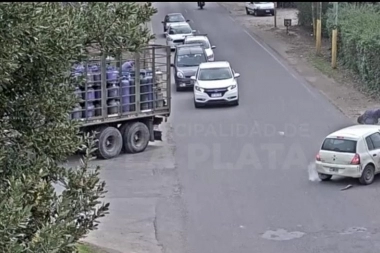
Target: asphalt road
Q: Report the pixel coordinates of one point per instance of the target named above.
(243, 170)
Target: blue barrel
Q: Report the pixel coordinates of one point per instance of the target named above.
(112, 76)
(98, 109)
(113, 90)
(125, 99)
(146, 93)
(90, 96)
(98, 92)
(77, 112)
(89, 112)
(113, 106)
(132, 94)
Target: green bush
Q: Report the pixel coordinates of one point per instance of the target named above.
(38, 43)
(305, 15)
(359, 41)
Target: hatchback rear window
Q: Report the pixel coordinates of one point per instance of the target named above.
(339, 145)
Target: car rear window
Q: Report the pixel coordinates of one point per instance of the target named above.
(339, 145)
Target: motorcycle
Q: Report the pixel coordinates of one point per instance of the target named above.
(201, 5)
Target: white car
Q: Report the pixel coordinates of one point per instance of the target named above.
(202, 39)
(215, 83)
(176, 34)
(350, 152)
(259, 8)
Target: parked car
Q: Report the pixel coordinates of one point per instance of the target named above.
(203, 40)
(259, 8)
(173, 18)
(176, 34)
(186, 62)
(350, 152)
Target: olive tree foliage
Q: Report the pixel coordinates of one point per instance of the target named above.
(38, 43)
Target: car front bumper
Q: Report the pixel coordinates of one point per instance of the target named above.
(230, 96)
(183, 82)
(338, 170)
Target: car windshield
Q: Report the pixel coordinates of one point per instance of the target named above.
(190, 60)
(176, 18)
(339, 145)
(180, 30)
(213, 74)
(203, 42)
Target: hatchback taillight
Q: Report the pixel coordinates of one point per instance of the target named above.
(355, 160)
(318, 157)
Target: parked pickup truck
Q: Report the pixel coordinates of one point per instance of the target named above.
(259, 8)
(123, 98)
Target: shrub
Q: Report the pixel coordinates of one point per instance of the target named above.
(38, 40)
(305, 15)
(359, 41)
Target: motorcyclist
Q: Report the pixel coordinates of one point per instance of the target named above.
(369, 117)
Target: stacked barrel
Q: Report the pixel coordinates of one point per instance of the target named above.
(120, 88)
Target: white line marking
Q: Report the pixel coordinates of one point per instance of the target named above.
(279, 62)
(232, 18)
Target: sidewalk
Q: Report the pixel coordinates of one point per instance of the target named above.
(298, 49)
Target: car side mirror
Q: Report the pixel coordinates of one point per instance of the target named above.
(172, 65)
(192, 78)
(194, 31)
(187, 20)
(236, 75)
(213, 47)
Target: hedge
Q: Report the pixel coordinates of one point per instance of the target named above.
(305, 16)
(359, 41)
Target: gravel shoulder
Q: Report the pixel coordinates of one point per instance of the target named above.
(298, 49)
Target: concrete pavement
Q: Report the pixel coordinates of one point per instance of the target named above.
(243, 170)
(215, 184)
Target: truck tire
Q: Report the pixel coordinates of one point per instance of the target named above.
(110, 142)
(136, 137)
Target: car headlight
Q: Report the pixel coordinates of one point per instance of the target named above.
(198, 88)
(180, 75)
(231, 87)
(211, 57)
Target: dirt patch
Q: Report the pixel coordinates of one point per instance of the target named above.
(340, 86)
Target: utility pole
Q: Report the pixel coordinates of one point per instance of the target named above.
(275, 14)
(318, 43)
(334, 46)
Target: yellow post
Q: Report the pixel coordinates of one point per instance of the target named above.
(318, 43)
(334, 46)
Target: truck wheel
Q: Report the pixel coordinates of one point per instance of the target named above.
(136, 137)
(368, 175)
(110, 143)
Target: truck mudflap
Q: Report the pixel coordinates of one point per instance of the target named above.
(157, 135)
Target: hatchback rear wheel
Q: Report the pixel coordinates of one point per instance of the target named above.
(368, 175)
(324, 177)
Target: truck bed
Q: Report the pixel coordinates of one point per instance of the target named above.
(110, 91)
